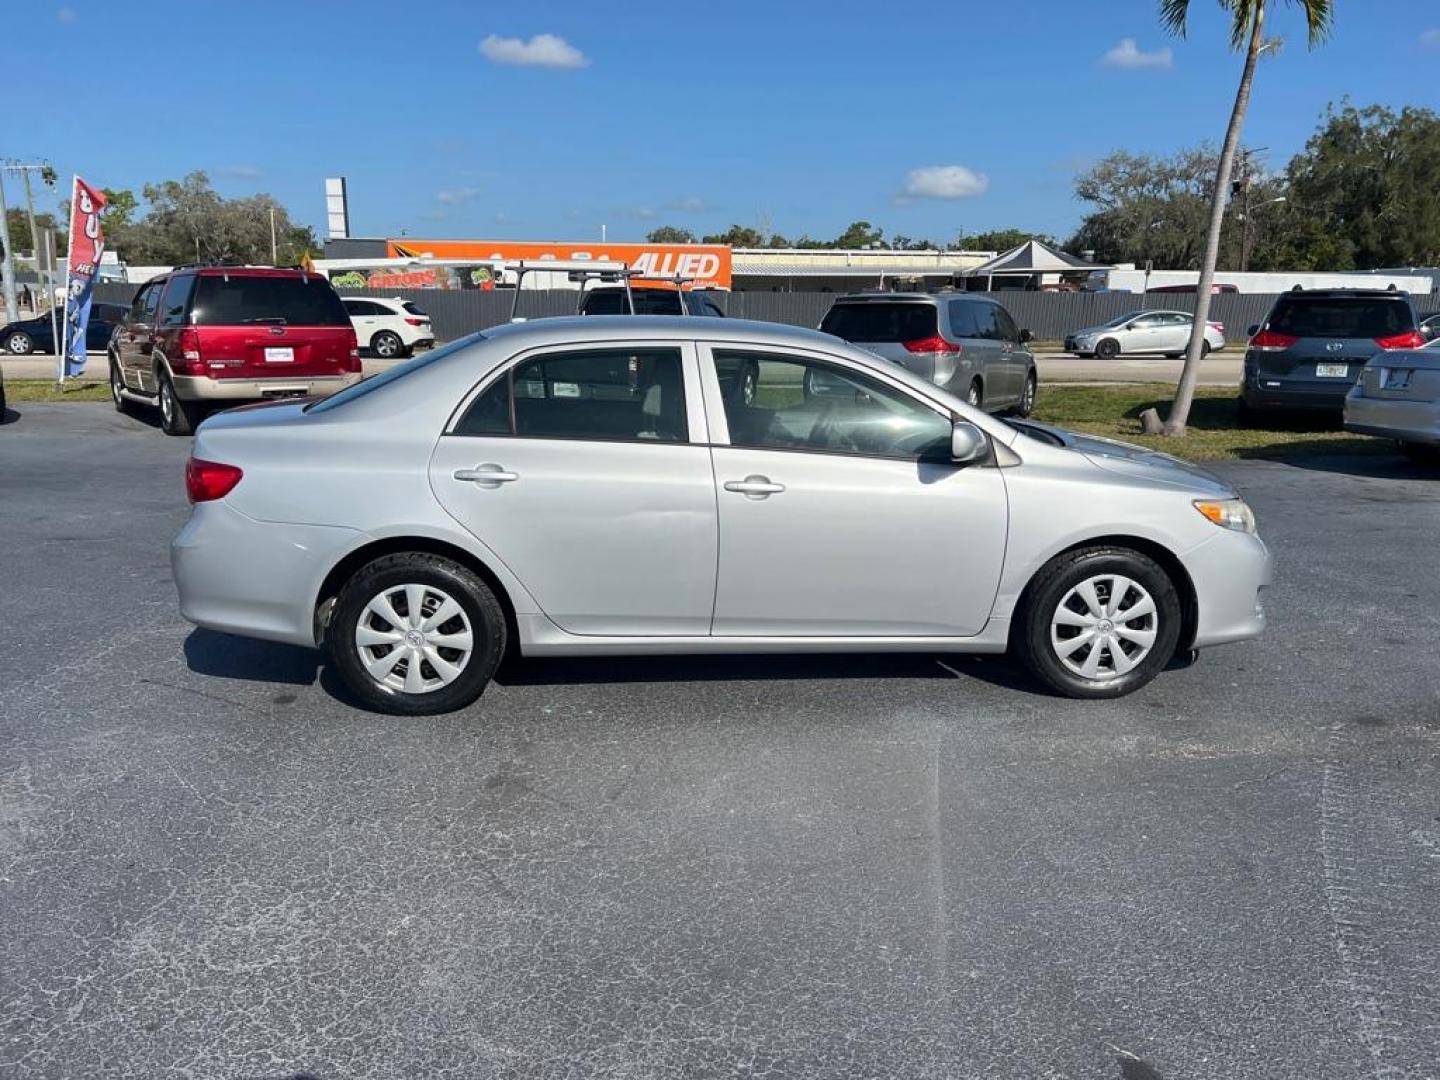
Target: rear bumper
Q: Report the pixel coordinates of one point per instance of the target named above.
(1407, 421)
(1228, 572)
(204, 388)
(254, 578)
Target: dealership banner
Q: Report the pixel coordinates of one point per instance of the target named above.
(707, 265)
(87, 244)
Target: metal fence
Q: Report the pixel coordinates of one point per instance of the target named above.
(1049, 316)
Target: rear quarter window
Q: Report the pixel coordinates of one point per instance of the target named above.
(877, 322)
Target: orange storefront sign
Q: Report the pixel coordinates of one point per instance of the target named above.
(708, 264)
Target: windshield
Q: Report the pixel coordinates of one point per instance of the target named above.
(385, 378)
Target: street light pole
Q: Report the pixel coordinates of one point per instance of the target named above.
(274, 251)
(12, 308)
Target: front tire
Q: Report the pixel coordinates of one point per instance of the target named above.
(1027, 397)
(387, 345)
(117, 385)
(1098, 622)
(415, 634)
(19, 344)
(1107, 349)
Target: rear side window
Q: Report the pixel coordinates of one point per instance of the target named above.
(239, 299)
(878, 321)
(177, 295)
(1341, 316)
(987, 325)
(962, 319)
(605, 394)
(410, 306)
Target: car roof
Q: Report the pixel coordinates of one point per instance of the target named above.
(659, 327)
(904, 298)
(1340, 294)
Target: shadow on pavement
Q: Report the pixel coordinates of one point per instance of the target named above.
(249, 660)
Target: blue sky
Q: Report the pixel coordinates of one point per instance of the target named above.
(807, 115)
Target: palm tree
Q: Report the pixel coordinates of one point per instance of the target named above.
(1247, 25)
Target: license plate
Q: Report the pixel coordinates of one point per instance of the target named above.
(1395, 378)
(1332, 371)
(280, 355)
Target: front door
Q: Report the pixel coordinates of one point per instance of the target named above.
(840, 512)
(137, 338)
(581, 470)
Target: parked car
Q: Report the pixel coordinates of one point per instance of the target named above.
(1398, 397)
(389, 328)
(968, 345)
(26, 336)
(611, 300)
(1138, 332)
(1430, 328)
(582, 487)
(1313, 345)
(198, 338)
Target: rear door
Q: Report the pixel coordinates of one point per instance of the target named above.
(586, 470)
(364, 317)
(1321, 343)
(258, 326)
(1175, 331)
(1144, 335)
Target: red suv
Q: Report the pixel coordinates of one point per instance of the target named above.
(206, 336)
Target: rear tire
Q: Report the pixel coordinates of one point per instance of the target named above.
(448, 675)
(117, 384)
(177, 417)
(1204, 349)
(387, 345)
(976, 394)
(1061, 634)
(1107, 348)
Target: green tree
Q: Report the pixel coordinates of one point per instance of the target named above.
(669, 234)
(1146, 207)
(998, 240)
(859, 234)
(18, 221)
(1247, 28)
(741, 236)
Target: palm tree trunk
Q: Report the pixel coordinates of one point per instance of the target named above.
(1185, 392)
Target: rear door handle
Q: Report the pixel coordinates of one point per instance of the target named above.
(486, 474)
(754, 487)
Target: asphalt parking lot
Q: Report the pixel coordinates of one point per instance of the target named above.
(213, 866)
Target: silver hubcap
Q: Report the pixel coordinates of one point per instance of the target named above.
(414, 638)
(18, 343)
(1104, 627)
(974, 396)
(1029, 400)
(167, 402)
(385, 346)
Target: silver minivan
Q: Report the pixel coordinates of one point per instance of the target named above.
(968, 345)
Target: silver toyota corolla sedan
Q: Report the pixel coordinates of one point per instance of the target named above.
(605, 486)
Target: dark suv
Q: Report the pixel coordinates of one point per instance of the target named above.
(1313, 345)
(204, 337)
(611, 300)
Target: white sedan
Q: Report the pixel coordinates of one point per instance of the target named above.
(1163, 332)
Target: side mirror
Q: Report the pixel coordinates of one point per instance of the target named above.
(968, 444)
(1254, 329)
(1026, 337)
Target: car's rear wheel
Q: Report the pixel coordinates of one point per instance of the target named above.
(976, 394)
(387, 345)
(415, 634)
(1107, 348)
(1204, 349)
(19, 343)
(1098, 622)
(177, 416)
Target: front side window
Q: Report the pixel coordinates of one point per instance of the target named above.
(804, 404)
(1006, 326)
(144, 299)
(619, 394)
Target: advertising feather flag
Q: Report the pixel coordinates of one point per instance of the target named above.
(87, 244)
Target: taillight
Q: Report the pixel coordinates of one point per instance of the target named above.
(932, 344)
(352, 362)
(207, 480)
(415, 322)
(1270, 341)
(1411, 339)
(1220, 326)
(190, 351)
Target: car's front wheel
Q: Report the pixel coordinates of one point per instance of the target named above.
(1107, 348)
(1098, 622)
(415, 634)
(19, 343)
(1027, 397)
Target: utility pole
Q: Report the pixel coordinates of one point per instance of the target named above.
(274, 251)
(12, 308)
(43, 276)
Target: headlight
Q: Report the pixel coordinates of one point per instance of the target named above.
(1228, 514)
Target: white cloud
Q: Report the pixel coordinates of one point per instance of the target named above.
(66, 15)
(1129, 56)
(456, 197)
(502, 218)
(239, 172)
(691, 204)
(1430, 39)
(945, 182)
(542, 50)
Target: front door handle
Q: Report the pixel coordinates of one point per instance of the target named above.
(754, 487)
(486, 475)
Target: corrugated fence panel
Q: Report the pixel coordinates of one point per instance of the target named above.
(1049, 316)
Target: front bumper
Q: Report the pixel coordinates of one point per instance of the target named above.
(204, 388)
(1394, 418)
(254, 578)
(1228, 572)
